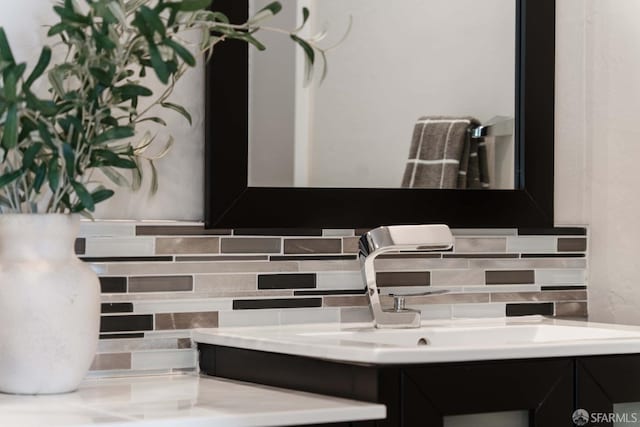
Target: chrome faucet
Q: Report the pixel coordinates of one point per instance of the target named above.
(415, 238)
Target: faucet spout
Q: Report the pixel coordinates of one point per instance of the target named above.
(413, 238)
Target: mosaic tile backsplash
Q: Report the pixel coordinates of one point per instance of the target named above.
(159, 280)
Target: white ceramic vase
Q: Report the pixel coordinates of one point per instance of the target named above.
(49, 305)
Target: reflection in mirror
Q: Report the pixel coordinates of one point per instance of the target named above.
(421, 94)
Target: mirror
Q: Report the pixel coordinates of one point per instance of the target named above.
(374, 122)
(238, 196)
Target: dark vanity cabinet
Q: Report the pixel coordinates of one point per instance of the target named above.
(550, 390)
(604, 381)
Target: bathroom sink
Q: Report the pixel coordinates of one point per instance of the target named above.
(434, 341)
(489, 336)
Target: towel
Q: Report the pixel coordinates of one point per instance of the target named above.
(443, 155)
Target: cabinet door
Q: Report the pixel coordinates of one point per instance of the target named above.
(543, 388)
(603, 384)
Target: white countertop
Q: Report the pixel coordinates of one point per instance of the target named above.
(179, 401)
(437, 341)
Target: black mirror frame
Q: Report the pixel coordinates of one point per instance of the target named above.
(231, 203)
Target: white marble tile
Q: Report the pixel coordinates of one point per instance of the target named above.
(309, 315)
(163, 359)
(182, 306)
(117, 246)
(434, 311)
(355, 315)
(338, 233)
(479, 310)
(248, 317)
(532, 244)
(107, 228)
(339, 280)
(560, 277)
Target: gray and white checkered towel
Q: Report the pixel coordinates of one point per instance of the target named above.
(443, 155)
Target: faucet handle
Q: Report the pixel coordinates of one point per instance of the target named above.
(399, 299)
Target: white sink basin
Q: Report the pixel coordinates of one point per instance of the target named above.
(488, 336)
(435, 341)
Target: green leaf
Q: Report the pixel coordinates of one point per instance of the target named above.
(129, 91)
(83, 195)
(5, 49)
(154, 119)
(54, 174)
(159, 66)
(45, 135)
(68, 14)
(8, 178)
(30, 155)
(266, 13)
(305, 15)
(193, 5)
(58, 28)
(10, 85)
(179, 109)
(152, 19)
(69, 160)
(100, 195)
(41, 173)
(10, 134)
(113, 134)
(308, 50)
(43, 63)
(181, 51)
(47, 108)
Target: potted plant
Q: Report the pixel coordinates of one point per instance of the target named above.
(53, 145)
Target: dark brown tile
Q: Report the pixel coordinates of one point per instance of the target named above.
(312, 246)
(544, 309)
(80, 246)
(111, 361)
(256, 304)
(572, 309)
(113, 285)
(221, 258)
(482, 256)
(248, 245)
(563, 288)
(187, 245)
(117, 307)
(160, 284)
(572, 244)
(331, 292)
(558, 231)
(178, 230)
(121, 336)
(403, 278)
(136, 322)
(128, 259)
(278, 232)
(346, 301)
(563, 255)
(510, 277)
(287, 281)
(407, 255)
(312, 257)
(171, 321)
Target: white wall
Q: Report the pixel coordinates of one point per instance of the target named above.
(181, 172)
